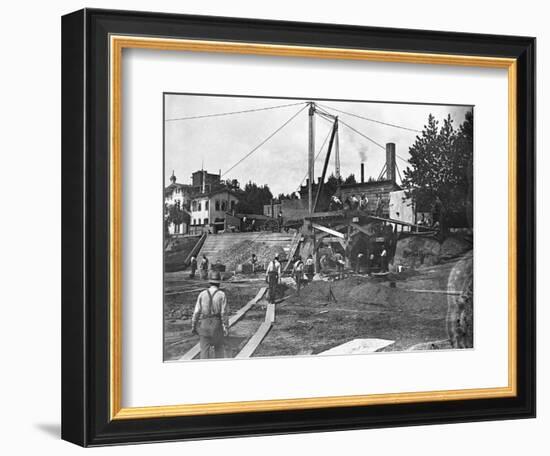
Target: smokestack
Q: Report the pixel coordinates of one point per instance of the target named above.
(390, 161)
(362, 173)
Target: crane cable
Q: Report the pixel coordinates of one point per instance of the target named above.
(234, 112)
(361, 134)
(265, 140)
(372, 120)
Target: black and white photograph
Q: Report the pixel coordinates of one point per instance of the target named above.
(307, 227)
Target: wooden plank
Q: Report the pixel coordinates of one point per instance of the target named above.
(328, 230)
(193, 352)
(400, 222)
(325, 214)
(324, 235)
(253, 343)
(270, 313)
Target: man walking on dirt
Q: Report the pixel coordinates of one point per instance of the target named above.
(273, 275)
(309, 268)
(204, 267)
(193, 266)
(298, 273)
(209, 319)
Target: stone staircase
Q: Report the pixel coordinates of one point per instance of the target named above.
(235, 248)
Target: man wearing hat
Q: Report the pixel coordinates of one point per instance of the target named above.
(273, 274)
(209, 319)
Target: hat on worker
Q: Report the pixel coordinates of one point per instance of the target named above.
(215, 277)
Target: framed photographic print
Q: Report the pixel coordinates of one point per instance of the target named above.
(279, 227)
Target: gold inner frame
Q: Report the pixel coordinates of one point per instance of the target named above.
(117, 44)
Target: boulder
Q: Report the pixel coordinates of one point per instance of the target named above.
(453, 247)
(415, 251)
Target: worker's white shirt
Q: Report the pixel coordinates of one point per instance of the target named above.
(215, 304)
(274, 266)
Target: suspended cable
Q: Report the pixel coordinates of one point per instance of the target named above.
(372, 120)
(402, 159)
(362, 134)
(234, 112)
(370, 139)
(265, 140)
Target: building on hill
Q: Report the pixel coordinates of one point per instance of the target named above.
(176, 201)
(205, 182)
(208, 210)
(197, 207)
(177, 193)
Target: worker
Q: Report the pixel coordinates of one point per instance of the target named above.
(209, 319)
(354, 202)
(254, 260)
(310, 268)
(384, 260)
(339, 260)
(193, 265)
(359, 262)
(205, 264)
(379, 205)
(323, 263)
(363, 202)
(298, 274)
(272, 277)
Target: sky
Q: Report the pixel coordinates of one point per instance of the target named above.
(219, 142)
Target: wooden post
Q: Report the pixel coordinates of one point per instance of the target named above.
(337, 157)
(311, 154)
(315, 265)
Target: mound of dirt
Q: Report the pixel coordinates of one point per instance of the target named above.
(353, 290)
(415, 251)
(241, 253)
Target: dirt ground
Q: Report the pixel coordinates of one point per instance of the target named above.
(309, 324)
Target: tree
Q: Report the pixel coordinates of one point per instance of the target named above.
(231, 184)
(174, 214)
(285, 196)
(253, 198)
(441, 167)
(350, 179)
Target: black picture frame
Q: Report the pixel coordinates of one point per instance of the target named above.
(85, 227)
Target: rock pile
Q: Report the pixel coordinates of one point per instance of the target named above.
(241, 253)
